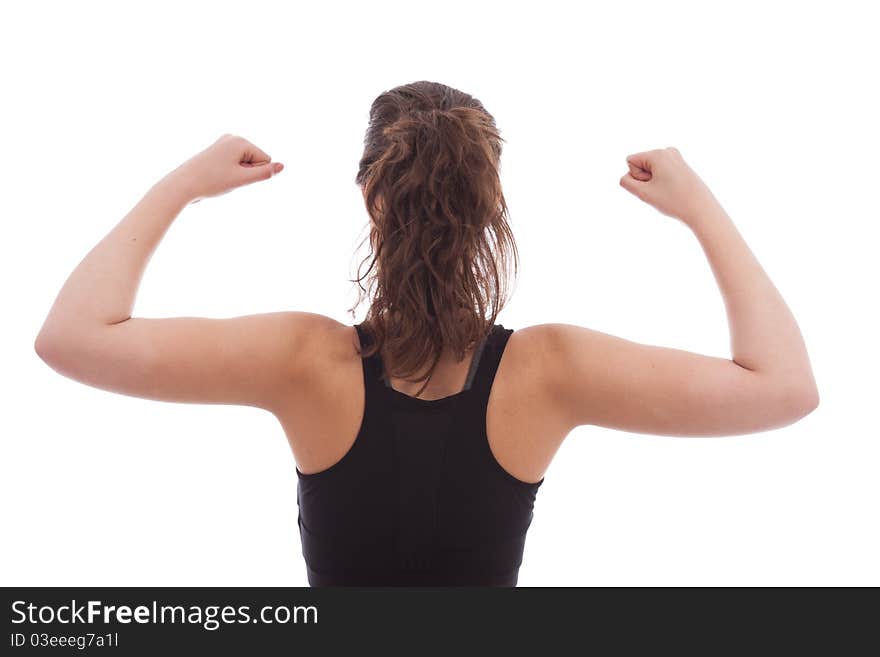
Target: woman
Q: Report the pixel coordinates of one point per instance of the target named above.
(421, 436)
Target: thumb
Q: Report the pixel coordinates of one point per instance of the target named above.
(638, 172)
(261, 171)
(632, 185)
(643, 161)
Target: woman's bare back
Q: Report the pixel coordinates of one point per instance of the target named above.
(322, 423)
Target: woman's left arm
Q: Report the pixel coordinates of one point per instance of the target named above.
(90, 335)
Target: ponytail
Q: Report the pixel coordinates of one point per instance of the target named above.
(440, 239)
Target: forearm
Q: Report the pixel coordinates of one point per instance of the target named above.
(103, 287)
(764, 335)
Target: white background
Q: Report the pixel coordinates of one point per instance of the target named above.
(773, 104)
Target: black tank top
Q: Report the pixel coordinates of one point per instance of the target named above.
(419, 499)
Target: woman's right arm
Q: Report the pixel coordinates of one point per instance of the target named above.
(600, 379)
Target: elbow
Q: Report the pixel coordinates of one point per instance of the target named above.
(48, 347)
(799, 400)
(43, 346)
(811, 400)
(807, 394)
(806, 405)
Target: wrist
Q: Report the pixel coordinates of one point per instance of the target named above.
(177, 188)
(702, 213)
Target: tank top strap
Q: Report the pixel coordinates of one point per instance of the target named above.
(481, 374)
(373, 375)
(490, 358)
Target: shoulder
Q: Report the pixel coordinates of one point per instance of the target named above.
(318, 337)
(558, 351)
(550, 344)
(298, 346)
(324, 344)
(298, 340)
(541, 358)
(532, 345)
(530, 353)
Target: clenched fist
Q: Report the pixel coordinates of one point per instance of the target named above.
(664, 180)
(228, 163)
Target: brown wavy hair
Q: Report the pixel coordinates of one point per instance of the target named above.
(440, 244)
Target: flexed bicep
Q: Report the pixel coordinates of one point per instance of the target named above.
(605, 380)
(252, 360)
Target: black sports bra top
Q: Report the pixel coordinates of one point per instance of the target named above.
(419, 499)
